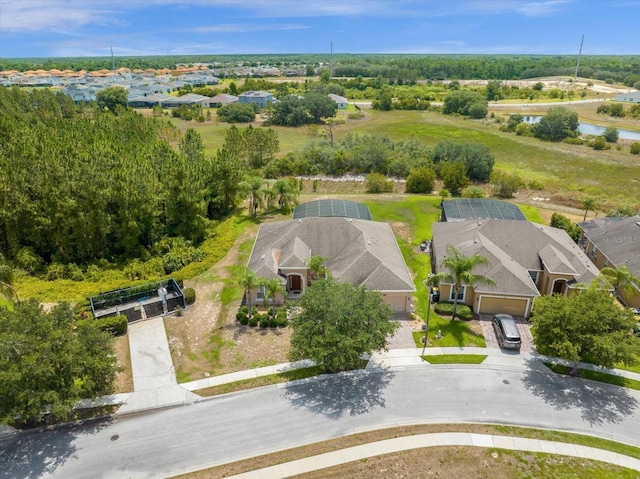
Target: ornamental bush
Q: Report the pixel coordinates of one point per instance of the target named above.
(115, 325)
(190, 295)
(462, 310)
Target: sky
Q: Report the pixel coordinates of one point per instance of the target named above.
(74, 28)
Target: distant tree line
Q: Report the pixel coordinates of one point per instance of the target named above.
(397, 69)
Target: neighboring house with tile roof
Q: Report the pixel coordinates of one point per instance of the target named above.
(526, 260)
(360, 252)
(614, 242)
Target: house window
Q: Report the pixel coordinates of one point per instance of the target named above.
(461, 293)
(534, 275)
(260, 290)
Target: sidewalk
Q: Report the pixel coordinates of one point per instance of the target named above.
(458, 439)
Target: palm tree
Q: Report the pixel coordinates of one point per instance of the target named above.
(249, 281)
(273, 286)
(6, 281)
(460, 272)
(589, 204)
(286, 192)
(252, 186)
(622, 279)
(315, 264)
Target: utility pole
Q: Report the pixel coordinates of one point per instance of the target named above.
(575, 77)
(331, 61)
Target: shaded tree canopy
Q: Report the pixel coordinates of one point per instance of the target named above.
(338, 323)
(48, 362)
(476, 157)
(112, 98)
(558, 124)
(586, 325)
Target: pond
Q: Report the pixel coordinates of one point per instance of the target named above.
(591, 129)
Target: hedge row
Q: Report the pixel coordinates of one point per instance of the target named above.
(262, 319)
(462, 310)
(115, 325)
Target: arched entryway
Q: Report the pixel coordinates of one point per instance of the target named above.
(559, 286)
(295, 285)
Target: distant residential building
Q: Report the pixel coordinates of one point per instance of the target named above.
(220, 100)
(340, 100)
(260, 98)
(631, 97)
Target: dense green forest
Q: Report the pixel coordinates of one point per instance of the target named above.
(401, 67)
(81, 184)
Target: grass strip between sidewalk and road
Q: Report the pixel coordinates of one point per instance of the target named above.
(597, 376)
(282, 377)
(344, 442)
(455, 358)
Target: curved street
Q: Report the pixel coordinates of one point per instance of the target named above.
(246, 424)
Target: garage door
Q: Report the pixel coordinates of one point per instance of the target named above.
(494, 305)
(397, 302)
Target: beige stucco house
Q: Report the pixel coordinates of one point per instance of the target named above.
(614, 242)
(526, 260)
(359, 251)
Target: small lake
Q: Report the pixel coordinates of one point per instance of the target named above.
(591, 129)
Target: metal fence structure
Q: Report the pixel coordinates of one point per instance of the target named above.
(139, 302)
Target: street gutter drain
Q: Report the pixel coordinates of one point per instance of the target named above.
(115, 437)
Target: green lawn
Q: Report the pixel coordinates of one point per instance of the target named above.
(419, 212)
(455, 359)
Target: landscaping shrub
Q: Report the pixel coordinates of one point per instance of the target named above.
(635, 148)
(462, 310)
(244, 309)
(241, 315)
(282, 322)
(190, 295)
(264, 322)
(273, 323)
(116, 325)
(253, 322)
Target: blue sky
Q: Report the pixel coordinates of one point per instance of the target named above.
(55, 28)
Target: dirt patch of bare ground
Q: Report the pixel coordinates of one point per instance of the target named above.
(124, 377)
(207, 339)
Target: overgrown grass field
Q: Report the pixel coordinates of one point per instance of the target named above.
(571, 171)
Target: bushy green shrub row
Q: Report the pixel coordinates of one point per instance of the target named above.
(189, 295)
(275, 318)
(462, 310)
(116, 325)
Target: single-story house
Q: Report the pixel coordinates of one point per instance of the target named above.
(630, 97)
(526, 260)
(221, 99)
(614, 242)
(260, 98)
(359, 251)
(340, 100)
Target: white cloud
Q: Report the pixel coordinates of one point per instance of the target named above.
(526, 8)
(245, 27)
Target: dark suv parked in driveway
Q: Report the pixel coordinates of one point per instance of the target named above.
(507, 331)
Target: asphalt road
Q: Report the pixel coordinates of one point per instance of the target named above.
(247, 424)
